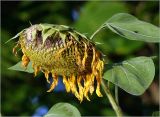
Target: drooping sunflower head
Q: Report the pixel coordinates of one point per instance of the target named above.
(61, 51)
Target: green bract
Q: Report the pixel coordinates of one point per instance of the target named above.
(51, 29)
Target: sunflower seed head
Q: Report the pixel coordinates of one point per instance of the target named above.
(60, 50)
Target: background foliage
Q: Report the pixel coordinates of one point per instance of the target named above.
(22, 94)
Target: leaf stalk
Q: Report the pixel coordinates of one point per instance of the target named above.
(111, 99)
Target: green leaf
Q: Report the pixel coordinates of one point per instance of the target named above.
(63, 110)
(133, 75)
(131, 28)
(45, 35)
(19, 67)
(156, 114)
(17, 35)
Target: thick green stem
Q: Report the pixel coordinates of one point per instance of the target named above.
(111, 99)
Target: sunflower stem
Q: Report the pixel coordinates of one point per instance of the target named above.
(116, 94)
(112, 100)
(101, 27)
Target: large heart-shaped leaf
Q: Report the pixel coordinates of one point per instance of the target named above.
(133, 75)
(19, 67)
(63, 110)
(130, 27)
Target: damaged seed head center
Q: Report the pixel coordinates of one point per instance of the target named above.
(60, 50)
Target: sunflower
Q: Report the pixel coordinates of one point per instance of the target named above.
(62, 51)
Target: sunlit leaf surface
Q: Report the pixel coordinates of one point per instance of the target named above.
(63, 110)
(132, 28)
(19, 67)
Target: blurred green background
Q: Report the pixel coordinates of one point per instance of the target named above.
(24, 95)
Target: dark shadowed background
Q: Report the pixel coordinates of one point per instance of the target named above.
(24, 95)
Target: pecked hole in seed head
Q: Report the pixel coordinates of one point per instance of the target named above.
(48, 42)
(69, 37)
(54, 41)
(39, 37)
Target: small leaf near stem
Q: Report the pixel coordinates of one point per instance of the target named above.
(111, 99)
